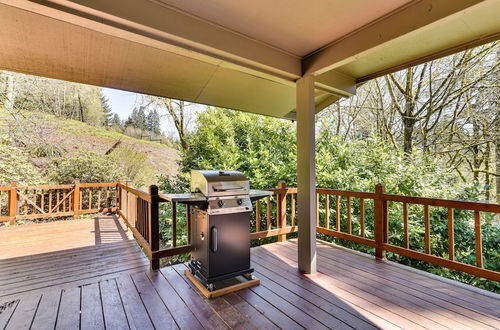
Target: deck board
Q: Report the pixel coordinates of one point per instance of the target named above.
(350, 291)
(37, 258)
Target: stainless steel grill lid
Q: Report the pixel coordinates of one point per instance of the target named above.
(226, 191)
(219, 183)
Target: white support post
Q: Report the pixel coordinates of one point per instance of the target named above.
(306, 179)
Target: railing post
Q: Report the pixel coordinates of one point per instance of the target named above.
(380, 224)
(154, 226)
(76, 200)
(281, 198)
(13, 203)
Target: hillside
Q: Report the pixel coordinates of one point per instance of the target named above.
(42, 138)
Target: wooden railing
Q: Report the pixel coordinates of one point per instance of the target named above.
(381, 226)
(140, 210)
(274, 216)
(51, 201)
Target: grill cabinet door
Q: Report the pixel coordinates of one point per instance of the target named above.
(231, 250)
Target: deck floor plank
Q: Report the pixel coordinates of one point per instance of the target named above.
(91, 308)
(46, 315)
(135, 310)
(103, 281)
(157, 310)
(177, 307)
(227, 312)
(6, 310)
(68, 316)
(24, 313)
(78, 253)
(112, 307)
(387, 291)
(198, 305)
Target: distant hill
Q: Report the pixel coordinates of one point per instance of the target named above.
(42, 137)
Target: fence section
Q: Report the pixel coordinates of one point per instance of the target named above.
(51, 201)
(339, 213)
(340, 225)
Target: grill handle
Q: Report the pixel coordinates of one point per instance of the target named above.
(228, 189)
(214, 239)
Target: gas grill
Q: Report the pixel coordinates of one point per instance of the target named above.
(220, 224)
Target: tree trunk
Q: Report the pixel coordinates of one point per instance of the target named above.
(10, 96)
(487, 154)
(408, 127)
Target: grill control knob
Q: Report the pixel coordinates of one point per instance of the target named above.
(220, 203)
(239, 201)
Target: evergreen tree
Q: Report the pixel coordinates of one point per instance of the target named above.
(106, 110)
(115, 121)
(153, 122)
(140, 120)
(131, 120)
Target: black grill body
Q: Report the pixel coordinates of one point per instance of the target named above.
(220, 245)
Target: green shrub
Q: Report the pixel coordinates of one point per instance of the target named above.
(15, 166)
(135, 165)
(45, 150)
(86, 166)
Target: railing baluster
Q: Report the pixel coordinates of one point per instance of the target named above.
(281, 210)
(58, 199)
(451, 234)
(362, 216)
(50, 200)
(479, 239)
(427, 223)
(327, 211)
(81, 200)
(268, 202)
(337, 212)
(107, 197)
(257, 216)
(90, 198)
(293, 209)
(99, 191)
(349, 217)
(25, 204)
(188, 220)
(174, 224)
(405, 225)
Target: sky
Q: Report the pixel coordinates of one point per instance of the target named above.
(121, 102)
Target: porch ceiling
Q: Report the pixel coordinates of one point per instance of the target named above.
(235, 54)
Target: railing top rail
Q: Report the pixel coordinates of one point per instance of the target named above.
(465, 205)
(46, 187)
(97, 185)
(137, 192)
(351, 193)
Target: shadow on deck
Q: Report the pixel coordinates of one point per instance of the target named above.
(351, 290)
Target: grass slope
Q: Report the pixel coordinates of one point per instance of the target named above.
(45, 137)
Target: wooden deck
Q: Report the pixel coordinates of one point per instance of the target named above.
(350, 291)
(36, 258)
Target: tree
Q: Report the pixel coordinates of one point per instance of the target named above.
(106, 109)
(177, 112)
(153, 122)
(116, 121)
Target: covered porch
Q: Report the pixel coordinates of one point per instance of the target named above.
(282, 59)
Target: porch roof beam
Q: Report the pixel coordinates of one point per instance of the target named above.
(184, 33)
(390, 28)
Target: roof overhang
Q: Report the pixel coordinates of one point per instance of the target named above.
(185, 50)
